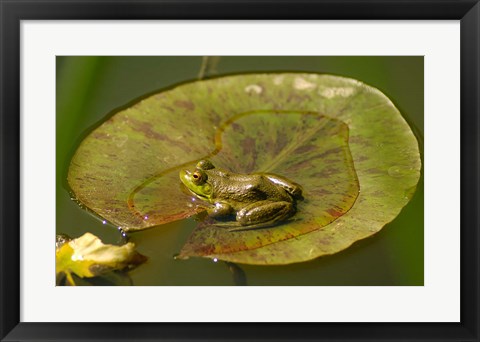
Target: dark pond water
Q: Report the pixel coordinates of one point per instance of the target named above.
(89, 88)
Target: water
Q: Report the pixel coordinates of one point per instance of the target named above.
(89, 88)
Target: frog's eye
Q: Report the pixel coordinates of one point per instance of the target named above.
(199, 177)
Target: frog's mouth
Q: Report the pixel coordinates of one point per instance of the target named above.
(202, 197)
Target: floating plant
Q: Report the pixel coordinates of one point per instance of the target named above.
(88, 257)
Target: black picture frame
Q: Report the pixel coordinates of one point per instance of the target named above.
(13, 11)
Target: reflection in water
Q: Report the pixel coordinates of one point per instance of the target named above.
(239, 276)
(208, 67)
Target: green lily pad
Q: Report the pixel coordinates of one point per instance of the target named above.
(126, 170)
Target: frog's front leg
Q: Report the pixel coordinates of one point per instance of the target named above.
(264, 213)
(220, 209)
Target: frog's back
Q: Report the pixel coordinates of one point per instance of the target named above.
(240, 190)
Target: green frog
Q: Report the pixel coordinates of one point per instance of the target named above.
(256, 200)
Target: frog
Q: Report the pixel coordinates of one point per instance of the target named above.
(256, 200)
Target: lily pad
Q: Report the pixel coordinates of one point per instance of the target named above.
(88, 257)
(126, 170)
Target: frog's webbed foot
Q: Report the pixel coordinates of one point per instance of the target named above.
(240, 228)
(263, 214)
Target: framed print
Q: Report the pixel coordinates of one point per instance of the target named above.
(255, 170)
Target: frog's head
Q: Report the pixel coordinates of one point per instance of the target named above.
(197, 181)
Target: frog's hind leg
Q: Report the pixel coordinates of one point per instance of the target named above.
(263, 214)
(294, 189)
